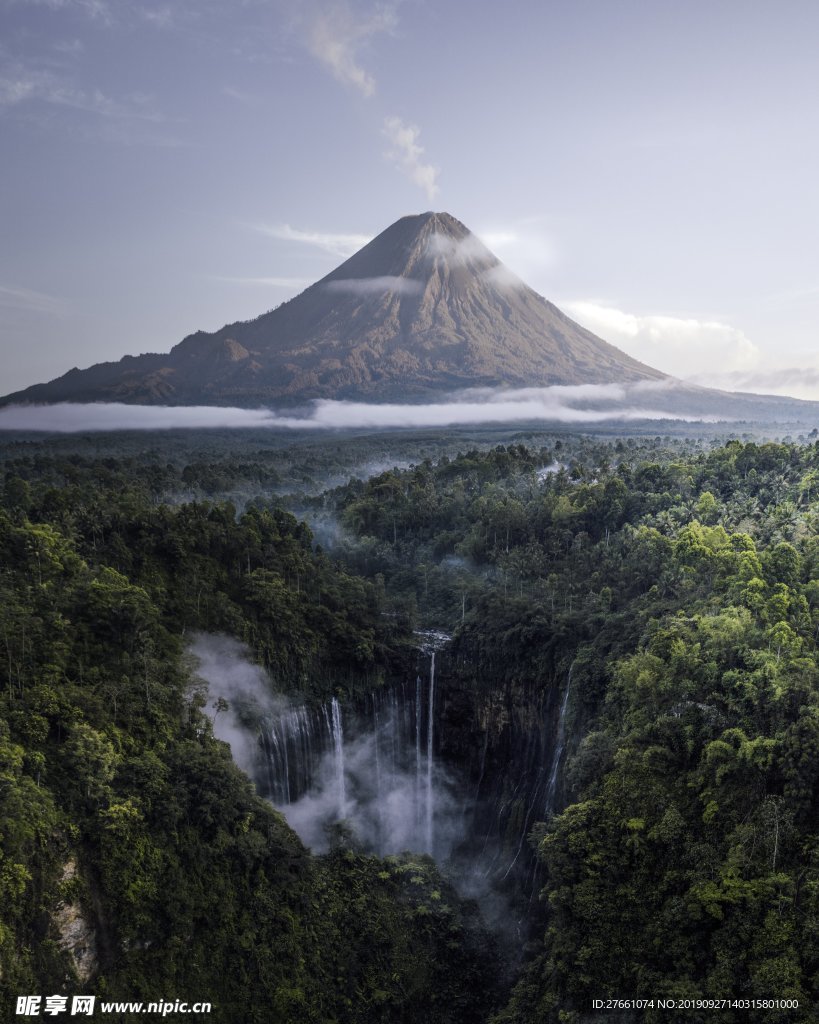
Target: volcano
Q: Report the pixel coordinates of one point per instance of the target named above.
(422, 309)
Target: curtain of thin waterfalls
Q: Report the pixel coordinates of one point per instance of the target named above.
(388, 768)
(371, 765)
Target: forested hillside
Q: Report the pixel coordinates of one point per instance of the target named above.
(682, 594)
(656, 600)
(136, 859)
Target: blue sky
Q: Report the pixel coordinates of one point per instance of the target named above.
(649, 166)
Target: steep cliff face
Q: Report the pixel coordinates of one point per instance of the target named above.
(76, 933)
(506, 742)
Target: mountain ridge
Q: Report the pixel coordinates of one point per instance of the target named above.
(424, 308)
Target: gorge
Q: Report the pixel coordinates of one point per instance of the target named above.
(389, 769)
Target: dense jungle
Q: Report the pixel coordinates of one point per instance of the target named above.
(625, 722)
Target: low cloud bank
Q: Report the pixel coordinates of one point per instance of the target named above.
(584, 403)
(69, 417)
(788, 381)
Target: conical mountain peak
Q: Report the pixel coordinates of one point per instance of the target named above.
(423, 308)
(412, 247)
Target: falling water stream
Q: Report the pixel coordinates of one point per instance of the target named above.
(338, 756)
(560, 745)
(430, 745)
(371, 765)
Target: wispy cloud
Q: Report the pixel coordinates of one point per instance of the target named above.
(69, 47)
(97, 10)
(266, 282)
(524, 247)
(12, 297)
(564, 404)
(159, 17)
(680, 346)
(336, 34)
(336, 244)
(458, 251)
(471, 252)
(502, 277)
(247, 98)
(376, 285)
(21, 84)
(407, 154)
(112, 13)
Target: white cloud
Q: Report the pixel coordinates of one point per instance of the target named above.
(471, 252)
(335, 244)
(407, 154)
(335, 36)
(376, 285)
(458, 251)
(684, 347)
(705, 352)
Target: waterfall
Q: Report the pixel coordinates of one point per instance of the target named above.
(431, 641)
(287, 742)
(418, 751)
(378, 788)
(370, 763)
(430, 728)
(560, 744)
(338, 756)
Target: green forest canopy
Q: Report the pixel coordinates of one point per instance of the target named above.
(679, 580)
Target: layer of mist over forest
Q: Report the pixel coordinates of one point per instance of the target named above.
(579, 405)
